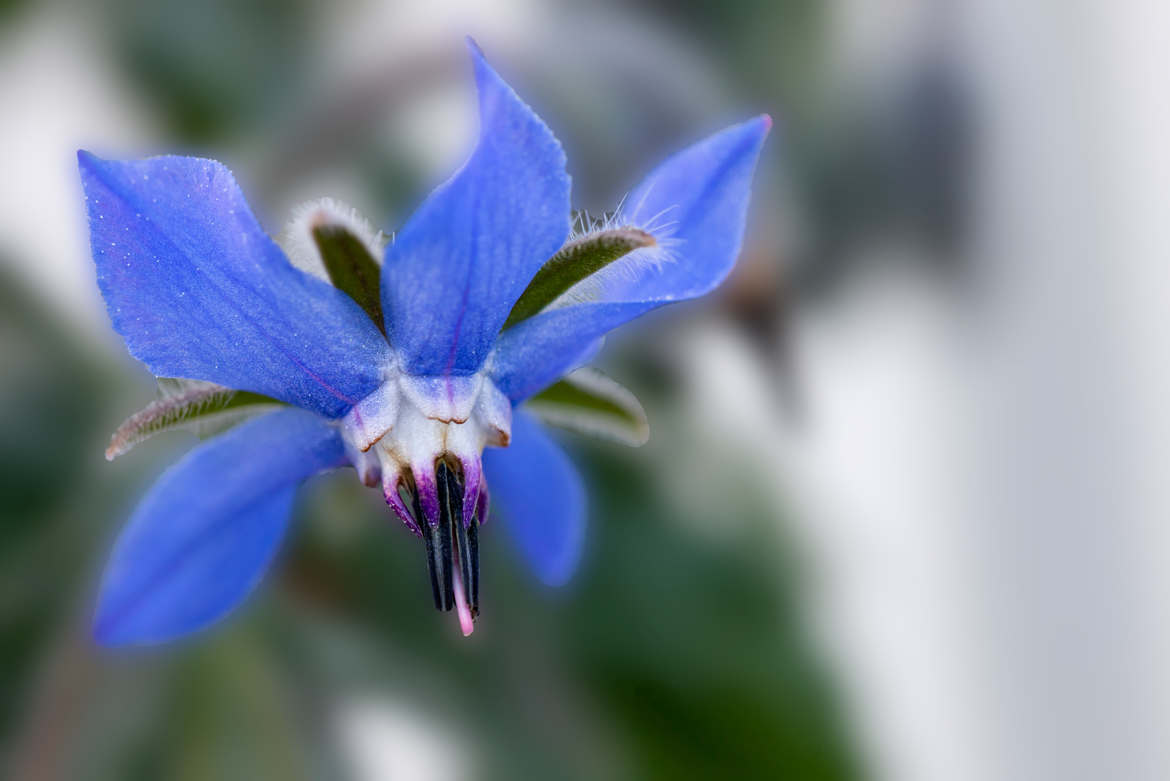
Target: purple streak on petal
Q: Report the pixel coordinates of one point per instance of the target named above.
(197, 289)
(206, 531)
(706, 188)
(391, 480)
(395, 501)
(483, 503)
(472, 479)
(428, 492)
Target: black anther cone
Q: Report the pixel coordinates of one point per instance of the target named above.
(466, 537)
(450, 544)
(435, 563)
(473, 555)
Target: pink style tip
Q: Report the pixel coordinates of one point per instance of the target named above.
(466, 622)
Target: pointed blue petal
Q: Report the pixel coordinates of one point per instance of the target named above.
(696, 203)
(206, 531)
(198, 290)
(453, 272)
(539, 493)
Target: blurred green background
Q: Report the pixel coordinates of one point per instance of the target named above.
(902, 510)
(680, 650)
(673, 654)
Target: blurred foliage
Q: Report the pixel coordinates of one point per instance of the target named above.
(776, 46)
(49, 402)
(9, 9)
(212, 68)
(668, 657)
(866, 159)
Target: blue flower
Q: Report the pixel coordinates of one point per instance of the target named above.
(409, 389)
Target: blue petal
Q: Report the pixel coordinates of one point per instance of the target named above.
(701, 195)
(198, 290)
(539, 493)
(207, 530)
(453, 272)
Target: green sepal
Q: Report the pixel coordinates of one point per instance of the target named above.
(577, 259)
(351, 268)
(590, 402)
(202, 407)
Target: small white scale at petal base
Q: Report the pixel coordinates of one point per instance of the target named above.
(410, 422)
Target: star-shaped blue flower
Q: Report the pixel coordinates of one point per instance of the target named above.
(199, 291)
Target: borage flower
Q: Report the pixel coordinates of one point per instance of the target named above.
(406, 370)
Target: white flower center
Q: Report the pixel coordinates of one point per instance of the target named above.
(422, 438)
(400, 431)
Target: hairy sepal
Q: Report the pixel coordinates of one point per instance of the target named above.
(580, 257)
(333, 241)
(590, 402)
(188, 405)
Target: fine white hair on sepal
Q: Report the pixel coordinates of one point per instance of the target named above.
(203, 408)
(628, 269)
(297, 237)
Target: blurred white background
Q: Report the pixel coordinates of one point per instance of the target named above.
(980, 473)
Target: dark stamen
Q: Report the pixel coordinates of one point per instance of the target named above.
(452, 548)
(452, 502)
(473, 556)
(464, 557)
(429, 535)
(445, 552)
